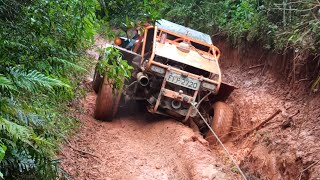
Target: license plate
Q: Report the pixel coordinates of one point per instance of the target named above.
(187, 82)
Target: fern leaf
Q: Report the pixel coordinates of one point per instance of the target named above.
(28, 118)
(16, 131)
(32, 80)
(6, 84)
(41, 141)
(69, 64)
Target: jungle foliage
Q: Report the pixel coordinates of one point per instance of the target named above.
(121, 15)
(278, 25)
(118, 12)
(41, 48)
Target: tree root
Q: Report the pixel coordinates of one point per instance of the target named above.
(260, 125)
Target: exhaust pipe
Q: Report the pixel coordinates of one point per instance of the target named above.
(176, 104)
(142, 79)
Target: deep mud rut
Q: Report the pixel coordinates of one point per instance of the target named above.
(139, 146)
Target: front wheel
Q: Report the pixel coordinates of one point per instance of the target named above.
(221, 123)
(107, 103)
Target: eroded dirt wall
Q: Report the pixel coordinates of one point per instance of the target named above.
(299, 69)
(287, 146)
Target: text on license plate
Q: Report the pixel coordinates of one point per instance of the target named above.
(187, 82)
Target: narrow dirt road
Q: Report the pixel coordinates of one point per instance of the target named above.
(140, 146)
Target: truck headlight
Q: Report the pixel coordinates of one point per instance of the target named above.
(209, 86)
(157, 69)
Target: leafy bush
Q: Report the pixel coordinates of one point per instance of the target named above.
(123, 15)
(124, 12)
(114, 67)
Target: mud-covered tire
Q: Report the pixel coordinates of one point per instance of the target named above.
(107, 103)
(97, 80)
(221, 123)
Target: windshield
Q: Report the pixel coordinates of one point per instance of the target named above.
(184, 31)
(171, 38)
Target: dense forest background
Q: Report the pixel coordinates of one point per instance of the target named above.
(42, 58)
(287, 27)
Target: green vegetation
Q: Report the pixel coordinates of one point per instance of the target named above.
(281, 25)
(120, 15)
(116, 68)
(119, 12)
(41, 62)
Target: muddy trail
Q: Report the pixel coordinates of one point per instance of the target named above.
(138, 145)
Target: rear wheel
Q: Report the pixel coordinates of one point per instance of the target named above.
(107, 103)
(221, 123)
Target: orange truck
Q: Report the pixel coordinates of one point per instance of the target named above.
(176, 71)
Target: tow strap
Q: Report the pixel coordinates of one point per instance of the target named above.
(220, 142)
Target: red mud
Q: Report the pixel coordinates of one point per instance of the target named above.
(138, 147)
(288, 146)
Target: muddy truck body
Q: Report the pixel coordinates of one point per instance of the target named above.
(176, 71)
